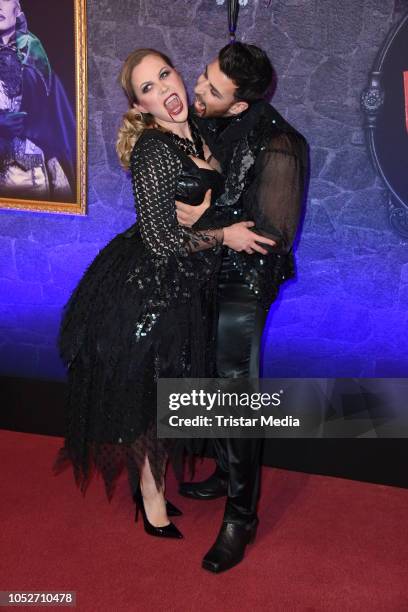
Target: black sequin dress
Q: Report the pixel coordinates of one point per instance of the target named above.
(145, 308)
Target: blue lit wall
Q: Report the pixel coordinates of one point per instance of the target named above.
(346, 314)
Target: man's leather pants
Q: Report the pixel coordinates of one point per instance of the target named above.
(240, 327)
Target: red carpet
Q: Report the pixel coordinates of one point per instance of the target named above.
(324, 544)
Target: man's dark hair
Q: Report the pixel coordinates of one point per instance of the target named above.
(250, 69)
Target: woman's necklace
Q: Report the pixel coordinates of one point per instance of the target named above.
(194, 147)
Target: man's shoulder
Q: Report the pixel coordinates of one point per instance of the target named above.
(271, 123)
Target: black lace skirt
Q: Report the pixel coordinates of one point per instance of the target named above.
(115, 351)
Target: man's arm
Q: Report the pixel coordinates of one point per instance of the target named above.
(274, 200)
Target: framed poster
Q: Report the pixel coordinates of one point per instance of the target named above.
(43, 105)
(385, 103)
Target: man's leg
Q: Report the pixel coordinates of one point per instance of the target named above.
(240, 327)
(239, 335)
(240, 316)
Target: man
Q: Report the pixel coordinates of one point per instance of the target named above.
(265, 163)
(37, 127)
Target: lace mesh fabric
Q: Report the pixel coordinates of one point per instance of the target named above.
(277, 191)
(154, 188)
(144, 309)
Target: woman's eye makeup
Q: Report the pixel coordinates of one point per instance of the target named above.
(146, 88)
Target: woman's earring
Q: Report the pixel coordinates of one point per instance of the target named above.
(139, 117)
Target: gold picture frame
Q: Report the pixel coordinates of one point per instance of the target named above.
(75, 72)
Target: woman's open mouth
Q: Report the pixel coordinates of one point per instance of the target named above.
(173, 105)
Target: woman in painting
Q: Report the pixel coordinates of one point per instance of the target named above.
(37, 126)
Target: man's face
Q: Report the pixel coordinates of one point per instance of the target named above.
(9, 10)
(214, 94)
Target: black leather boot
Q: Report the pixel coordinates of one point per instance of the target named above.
(229, 547)
(211, 488)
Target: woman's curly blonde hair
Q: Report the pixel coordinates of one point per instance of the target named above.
(134, 122)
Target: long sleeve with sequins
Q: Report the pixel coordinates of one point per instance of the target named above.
(154, 170)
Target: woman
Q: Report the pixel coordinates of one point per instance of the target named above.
(138, 312)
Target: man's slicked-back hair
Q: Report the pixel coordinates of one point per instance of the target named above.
(250, 69)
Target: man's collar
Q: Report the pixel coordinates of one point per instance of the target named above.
(241, 124)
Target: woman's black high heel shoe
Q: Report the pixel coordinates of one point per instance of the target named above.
(168, 531)
(172, 510)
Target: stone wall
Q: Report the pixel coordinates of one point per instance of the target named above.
(345, 315)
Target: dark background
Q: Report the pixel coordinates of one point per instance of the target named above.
(52, 21)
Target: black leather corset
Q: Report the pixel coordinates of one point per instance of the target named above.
(193, 182)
